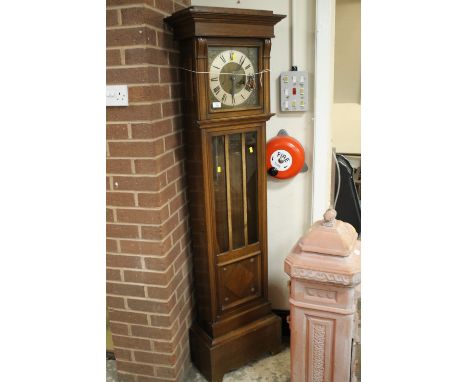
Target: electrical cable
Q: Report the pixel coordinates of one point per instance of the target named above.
(247, 75)
(339, 181)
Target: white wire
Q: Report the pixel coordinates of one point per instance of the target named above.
(194, 71)
(229, 74)
(339, 181)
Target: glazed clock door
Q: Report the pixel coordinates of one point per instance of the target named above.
(237, 250)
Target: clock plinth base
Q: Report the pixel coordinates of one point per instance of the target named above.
(215, 357)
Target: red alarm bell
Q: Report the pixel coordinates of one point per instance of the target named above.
(284, 157)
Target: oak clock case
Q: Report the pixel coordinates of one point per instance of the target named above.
(226, 108)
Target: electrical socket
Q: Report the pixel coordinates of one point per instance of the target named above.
(116, 95)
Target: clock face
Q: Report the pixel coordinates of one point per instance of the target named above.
(233, 77)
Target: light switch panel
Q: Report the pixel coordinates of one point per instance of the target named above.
(116, 95)
(294, 93)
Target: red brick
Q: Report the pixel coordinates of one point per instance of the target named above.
(172, 141)
(164, 5)
(111, 3)
(116, 132)
(155, 358)
(152, 332)
(124, 199)
(122, 261)
(117, 328)
(122, 230)
(125, 289)
(160, 232)
(154, 166)
(137, 368)
(118, 166)
(130, 36)
(174, 58)
(151, 130)
(148, 93)
(140, 15)
(177, 202)
(161, 321)
(111, 245)
(151, 306)
(113, 275)
(136, 149)
(166, 40)
(157, 199)
(135, 56)
(161, 263)
(134, 113)
(170, 108)
(113, 57)
(122, 354)
(109, 215)
(145, 247)
(159, 293)
(111, 17)
(134, 183)
(173, 173)
(129, 317)
(154, 278)
(176, 91)
(131, 343)
(142, 216)
(115, 302)
(168, 75)
(141, 75)
(164, 347)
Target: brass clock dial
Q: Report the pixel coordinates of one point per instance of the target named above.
(232, 77)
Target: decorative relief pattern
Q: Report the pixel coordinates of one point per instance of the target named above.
(321, 293)
(319, 353)
(334, 278)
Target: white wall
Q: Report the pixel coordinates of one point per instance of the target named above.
(289, 201)
(346, 127)
(346, 116)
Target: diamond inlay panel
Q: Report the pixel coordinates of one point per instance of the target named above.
(239, 282)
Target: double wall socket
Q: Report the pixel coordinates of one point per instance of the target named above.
(116, 95)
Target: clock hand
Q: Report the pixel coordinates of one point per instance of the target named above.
(233, 79)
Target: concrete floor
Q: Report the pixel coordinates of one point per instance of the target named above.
(267, 369)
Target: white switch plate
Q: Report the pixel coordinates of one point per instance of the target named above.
(294, 94)
(116, 95)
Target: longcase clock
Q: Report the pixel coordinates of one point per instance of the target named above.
(226, 60)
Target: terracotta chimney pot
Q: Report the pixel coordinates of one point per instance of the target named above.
(324, 267)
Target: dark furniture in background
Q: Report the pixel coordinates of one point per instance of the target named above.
(348, 205)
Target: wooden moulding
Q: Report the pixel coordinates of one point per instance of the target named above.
(214, 358)
(223, 22)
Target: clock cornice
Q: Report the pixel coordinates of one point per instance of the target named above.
(222, 22)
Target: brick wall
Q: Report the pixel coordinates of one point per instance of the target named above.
(149, 294)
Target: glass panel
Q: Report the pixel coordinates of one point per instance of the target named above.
(219, 184)
(251, 186)
(237, 188)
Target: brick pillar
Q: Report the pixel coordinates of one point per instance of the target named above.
(149, 294)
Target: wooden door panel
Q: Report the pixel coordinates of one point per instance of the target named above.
(239, 282)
